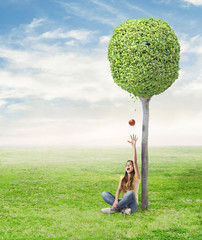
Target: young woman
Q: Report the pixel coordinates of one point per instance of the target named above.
(128, 184)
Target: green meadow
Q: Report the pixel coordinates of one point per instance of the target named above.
(56, 194)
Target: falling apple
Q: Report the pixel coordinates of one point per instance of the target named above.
(131, 122)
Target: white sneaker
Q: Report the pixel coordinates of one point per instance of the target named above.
(126, 211)
(108, 210)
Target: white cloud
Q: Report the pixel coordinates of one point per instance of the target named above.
(190, 78)
(18, 107)
(191, 45)
(59, 75)
(2, 103)
(36, 22)
(80, 35)
(192, 88)
(194, 2)
(104, 39)
(58, 37)
(185, 46)
(71, 43)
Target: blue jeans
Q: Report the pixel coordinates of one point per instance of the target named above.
(128, 200)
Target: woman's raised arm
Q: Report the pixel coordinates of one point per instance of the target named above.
(133, 143)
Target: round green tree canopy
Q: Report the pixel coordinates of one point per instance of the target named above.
(144, 56)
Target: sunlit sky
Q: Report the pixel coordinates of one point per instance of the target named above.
(55, 80)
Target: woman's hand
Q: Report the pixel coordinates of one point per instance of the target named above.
(133, 140)
(115, 204)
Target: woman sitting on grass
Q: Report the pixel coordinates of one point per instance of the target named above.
(128, 184)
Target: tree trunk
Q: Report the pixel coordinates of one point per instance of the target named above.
(144, 151)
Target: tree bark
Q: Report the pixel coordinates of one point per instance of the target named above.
(144, 151)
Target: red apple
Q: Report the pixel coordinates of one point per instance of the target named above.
(131, 122)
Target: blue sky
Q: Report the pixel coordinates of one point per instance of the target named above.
(55, 81)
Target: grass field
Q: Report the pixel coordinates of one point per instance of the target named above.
(56, 194)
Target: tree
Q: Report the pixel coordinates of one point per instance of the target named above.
(144, 59)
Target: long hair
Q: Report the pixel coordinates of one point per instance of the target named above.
(125, 183)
